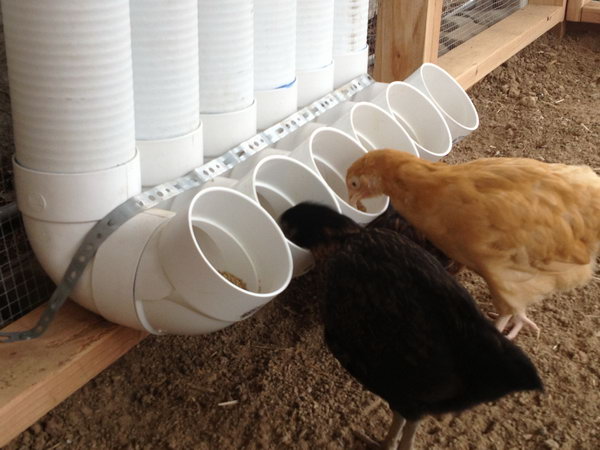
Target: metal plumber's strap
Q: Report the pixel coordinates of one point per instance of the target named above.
(152, 197)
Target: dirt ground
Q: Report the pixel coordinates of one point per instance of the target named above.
(268, 382)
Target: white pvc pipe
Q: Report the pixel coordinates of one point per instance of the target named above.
(71, 89)
(277, 183)
(160, 270)
(350, 26)
(226, 49)
(350, 50)
(274, 43)
(419, 116)
(330, 153)
(69, 68)
(314, 49)
(208, 238)
(449, 97)
(164, 39)
(274, 60)
(375, 128)
(314, 34)
(226, 58)
(164, 43)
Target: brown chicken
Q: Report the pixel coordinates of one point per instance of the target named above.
(528, 228)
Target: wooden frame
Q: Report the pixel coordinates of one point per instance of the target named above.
(39, 374)
(583, 11)
(400, 50)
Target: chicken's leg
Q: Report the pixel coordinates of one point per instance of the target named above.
(408, 435)
(391, 440)
(519, 320)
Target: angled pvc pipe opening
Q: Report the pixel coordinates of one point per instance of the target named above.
(330, 152)
(449, 97)
(277, 183)
(419, 116)
(375, 128)
(203, 248)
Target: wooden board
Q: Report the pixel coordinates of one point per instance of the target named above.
(37, 375)
(477, 57)
(408, 34)
(574, 10)
(590, 12)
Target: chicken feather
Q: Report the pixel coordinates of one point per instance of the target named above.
(529, 228)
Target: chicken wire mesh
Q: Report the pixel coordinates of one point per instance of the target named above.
(23, 284)
(463, 19)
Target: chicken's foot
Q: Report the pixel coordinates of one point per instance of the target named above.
(391, 440)
(519, 320)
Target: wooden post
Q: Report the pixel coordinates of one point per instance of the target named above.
(574, 10)
(408, 34)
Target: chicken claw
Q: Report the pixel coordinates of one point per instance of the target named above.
(519, 320)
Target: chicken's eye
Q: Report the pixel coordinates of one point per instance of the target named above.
(354, 183)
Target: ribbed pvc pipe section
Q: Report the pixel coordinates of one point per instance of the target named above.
(164, 39)
(70, 77)
(350, 26)
(274, 43)
(314, 34)
(226, 49)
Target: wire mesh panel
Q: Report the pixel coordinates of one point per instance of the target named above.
(23, 284)
(463, 19)
(371, 32)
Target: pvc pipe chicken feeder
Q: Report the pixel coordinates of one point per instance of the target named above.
(199, 251)
(449, 97)
(278, 183)
(419, 116)
(375, 128)
(330, 152)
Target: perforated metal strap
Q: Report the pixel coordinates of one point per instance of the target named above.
(152, 197)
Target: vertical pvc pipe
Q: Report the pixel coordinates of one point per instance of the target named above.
(164, 39)
(226, 61)
(314, 49)
(275, 59)
(69, 68)
(71, 83)
(350, 51)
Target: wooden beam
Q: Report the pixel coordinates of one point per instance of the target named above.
(477, 57)
(590, 12)
(574, 10)
(37, 375)
(408, 34)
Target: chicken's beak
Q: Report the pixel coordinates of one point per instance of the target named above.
(355, 197)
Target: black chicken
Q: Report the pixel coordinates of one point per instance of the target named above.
(393, 220)
(401, 325)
